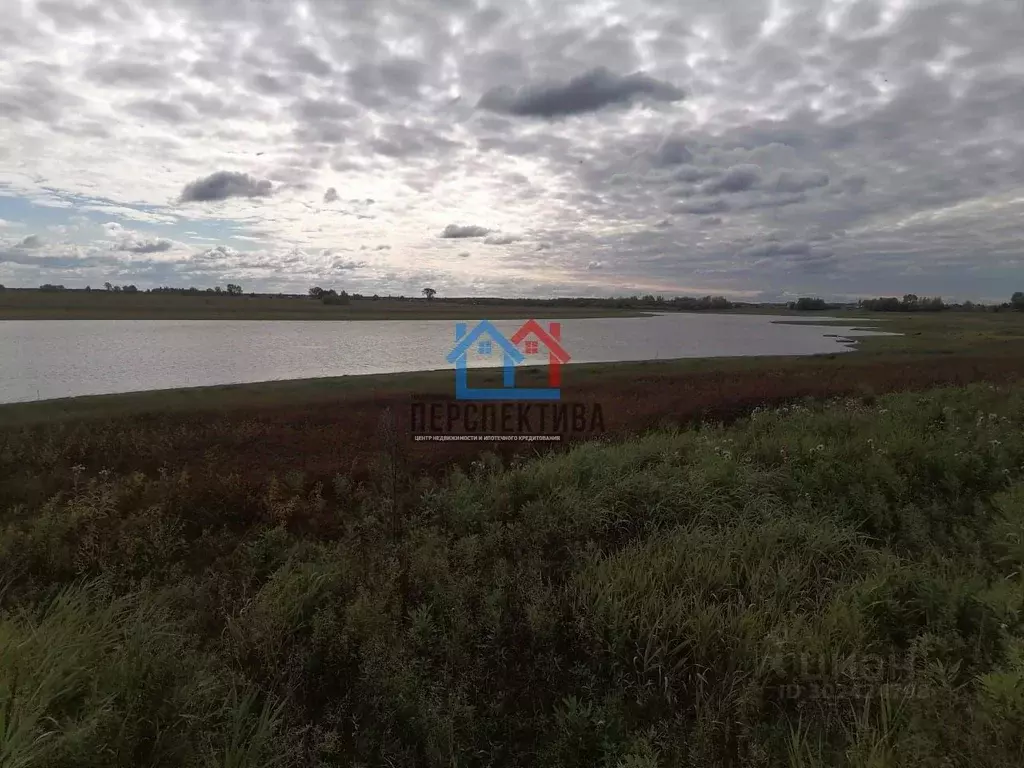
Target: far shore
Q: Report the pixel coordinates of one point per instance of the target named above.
(105, 305)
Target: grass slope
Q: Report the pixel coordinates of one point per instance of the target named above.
(835, 584)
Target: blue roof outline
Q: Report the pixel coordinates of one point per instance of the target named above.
(484, 326)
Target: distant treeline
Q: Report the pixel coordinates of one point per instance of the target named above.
(618, 302)
(807, 303)
(909, 303)
(230, 289)
(913, 303)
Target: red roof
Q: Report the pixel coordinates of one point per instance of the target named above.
(549, 341)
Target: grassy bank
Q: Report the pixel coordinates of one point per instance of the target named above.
(830, 584)
(107, 305)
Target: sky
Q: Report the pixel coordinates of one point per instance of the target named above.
(757, 150)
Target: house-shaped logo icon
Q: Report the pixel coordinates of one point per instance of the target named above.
(532, 335)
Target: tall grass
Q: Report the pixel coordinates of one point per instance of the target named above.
(821, 584)
(87, 678)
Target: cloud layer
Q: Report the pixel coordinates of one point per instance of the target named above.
(756, 149)
(590, 92)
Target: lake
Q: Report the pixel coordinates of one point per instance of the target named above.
(42, 359)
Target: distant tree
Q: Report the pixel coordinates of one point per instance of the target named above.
(805, 303)
(1017, 301)
(909, 303)
(217, 289)
(130, 289)
(375, 297)
(117, 289)
(88, 288)
(234, 290)
(430, 293)
(884, 304)
(108, 286)
(334, 298)
(2, 287)
(316, 292)
(50, 287)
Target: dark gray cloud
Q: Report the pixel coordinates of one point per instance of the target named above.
(127, 72)
(36, 95)
(132, 245)
(331, 195)
(501, 239)
(347, 265)
(159, 110)
(590, 92)
(770, 200)
(32, 241)
(217, 252)
(768, 250)
(305, 59)
(691, 174)
(269, 85)
(457, 231)
(851, 185)
(738, 178)
(712, 205)
(398, 141)
(224, 184)
(789, 180)
(672, 151)
(312, 110)
(328, 120)
(377, 84)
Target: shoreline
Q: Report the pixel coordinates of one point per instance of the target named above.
(434, 378)
(958, 339)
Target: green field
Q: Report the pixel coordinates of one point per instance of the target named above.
(826, 584)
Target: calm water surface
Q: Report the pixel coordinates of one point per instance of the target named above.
(41, 359)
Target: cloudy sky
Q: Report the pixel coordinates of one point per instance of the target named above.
(756, 149)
